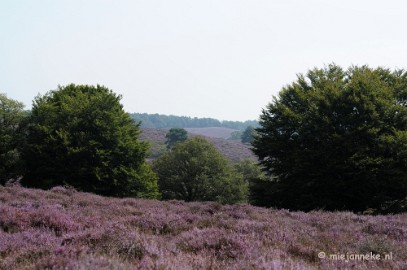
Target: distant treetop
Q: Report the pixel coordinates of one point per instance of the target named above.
(174, 136)
(172, 121)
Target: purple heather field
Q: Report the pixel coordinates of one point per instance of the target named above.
(65, 229)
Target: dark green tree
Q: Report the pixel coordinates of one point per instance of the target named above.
(174, 136)
(248, 135)
(336, 140)
(79, 135)
(11, 138)
(195, 171)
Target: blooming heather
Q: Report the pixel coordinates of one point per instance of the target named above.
(65, 229)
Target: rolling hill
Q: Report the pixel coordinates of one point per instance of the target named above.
(214, 132)
(233, 150)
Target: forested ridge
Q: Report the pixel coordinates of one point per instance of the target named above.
(170, 121)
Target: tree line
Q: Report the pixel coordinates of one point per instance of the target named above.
(172, 121)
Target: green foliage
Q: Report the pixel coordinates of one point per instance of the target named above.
(249, 170)
(195, 171)
(174, 136)
(156, 149)
(248, 135)
(235, 135)
(256, 180)
(79, 135)
(170, 121)
(336, 139)
(11, 138)
(145, 183)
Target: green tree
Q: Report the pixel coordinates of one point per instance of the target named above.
(11, 138)
(248, 135)
(235, 135)
(336, 140)
(174, 136)
(79, 135)
(249, 170)
(256, 180)
(195, 171)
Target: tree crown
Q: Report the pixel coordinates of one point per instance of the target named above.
(331, 133)
(81, 136)
(195, 171)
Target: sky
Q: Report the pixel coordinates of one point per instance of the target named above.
(223, 59)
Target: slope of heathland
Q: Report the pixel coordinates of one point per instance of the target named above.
(214, 132)
(233, 150)
(65, 229)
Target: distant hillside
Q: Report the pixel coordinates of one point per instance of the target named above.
(214, 132)
(172, 121)
(232, 150)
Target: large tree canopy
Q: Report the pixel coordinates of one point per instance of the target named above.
(80, 135)
(336, 139)
(11, 138)
(195, 171)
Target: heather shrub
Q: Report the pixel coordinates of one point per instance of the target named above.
(13, 219)
(205, 208)
(385, 227)
(304, 252)
(213, 241)
(375, 245)
(220, 220)
(64, 190)
(100, 262)
(44, 231)
(235, 212)
(110, 240)
(160, 223)
(53, 218)
(23, 249)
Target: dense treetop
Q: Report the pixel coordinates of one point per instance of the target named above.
(195, 171)
(337, 139)
(81, 136)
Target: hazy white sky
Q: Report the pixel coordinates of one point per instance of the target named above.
(223, 59)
